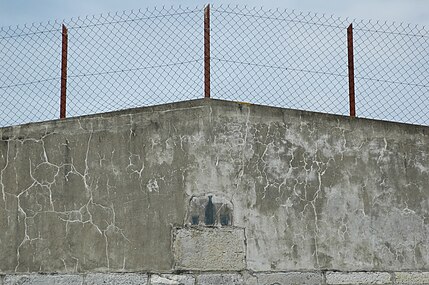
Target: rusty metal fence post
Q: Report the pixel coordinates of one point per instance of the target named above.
(351, 71)
(207, 51)
(63, 72)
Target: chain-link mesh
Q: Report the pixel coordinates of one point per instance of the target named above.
(392, 72)
(115, 61)
(133, 59)
(30, 60)
(279, 58)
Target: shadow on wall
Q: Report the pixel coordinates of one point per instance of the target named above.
(209, 210)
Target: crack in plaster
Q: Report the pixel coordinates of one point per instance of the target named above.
(67, 216)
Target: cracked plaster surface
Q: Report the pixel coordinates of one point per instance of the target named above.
(312, 191)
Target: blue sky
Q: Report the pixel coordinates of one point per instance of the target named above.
(16, 12)
(292, 64)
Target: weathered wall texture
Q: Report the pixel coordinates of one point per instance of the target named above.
(242, 278)
(293, 191)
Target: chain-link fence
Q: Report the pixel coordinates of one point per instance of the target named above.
(272, 57)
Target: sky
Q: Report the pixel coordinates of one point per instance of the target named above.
(18, 12)
(278, 63)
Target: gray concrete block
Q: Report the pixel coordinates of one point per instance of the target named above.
(411, 277)
(290, 278)
(39, 279)
(172, 279)
(209, 249)
(351, 278)
(219, 279)
(116, 279)
(249, 278)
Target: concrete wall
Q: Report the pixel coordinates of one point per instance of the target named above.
(294, 194)
(239, 278)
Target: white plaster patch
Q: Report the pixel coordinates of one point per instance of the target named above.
(152, 185)
(172, 279)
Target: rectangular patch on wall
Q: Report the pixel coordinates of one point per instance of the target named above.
(209, 248)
